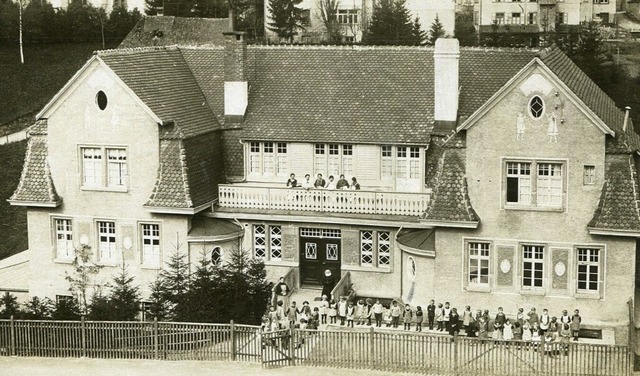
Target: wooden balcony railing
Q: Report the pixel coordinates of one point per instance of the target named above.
(321, 200)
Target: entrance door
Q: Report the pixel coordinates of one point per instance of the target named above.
(319, 251)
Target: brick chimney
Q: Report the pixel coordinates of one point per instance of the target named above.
(236, 88)
(446, 62)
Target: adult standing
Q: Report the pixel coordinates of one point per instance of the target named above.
(282, 291)
(328, 283)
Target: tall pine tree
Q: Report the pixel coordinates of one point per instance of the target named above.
(436, 31)
(391, 25)
(286, 18)
(125, 297)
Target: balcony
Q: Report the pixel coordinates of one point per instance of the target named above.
(324, 201)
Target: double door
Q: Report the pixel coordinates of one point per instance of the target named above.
(319, 251)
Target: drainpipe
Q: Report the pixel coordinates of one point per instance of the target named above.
(626, 119)
(401, 264)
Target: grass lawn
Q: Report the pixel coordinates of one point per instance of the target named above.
(13, 219)
(26, 88)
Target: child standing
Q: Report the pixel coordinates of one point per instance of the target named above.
(520, 316)
(351, 314)
(565, 337)
(361, 312)
(517, 331)
(446, 313)
(292, 315)
(342, 309)
(507, 331)
(407, 316)
(387, 315)
(395, 314)
(333, 311)
(440, 317)
(377, 310)
(431, 313)
(535, 336)
(483, 327)
(324, 309)
(526, 331)
(576, 320)
(419, 319)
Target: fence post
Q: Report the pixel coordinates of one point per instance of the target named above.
(13, 336)
(156, 351)
(292, 350)
(233, 341)
(372, 349)
(455, 352)
(83, 335)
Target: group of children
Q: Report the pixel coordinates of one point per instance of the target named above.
(530, 327)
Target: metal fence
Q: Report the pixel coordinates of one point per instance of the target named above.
(424, 353)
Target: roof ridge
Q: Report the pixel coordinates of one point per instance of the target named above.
(337, 47)
(201, 47)
(499, 49)
(133, 50)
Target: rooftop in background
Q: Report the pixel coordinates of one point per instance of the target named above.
(182, 31)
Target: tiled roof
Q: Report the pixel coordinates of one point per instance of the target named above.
(15, 272)
(420, 239)
(207, 66)
(450, 198)
(36, 185)
(172, 184)
(618, 208)
(587, 90)
(161, 78)
(183, 31)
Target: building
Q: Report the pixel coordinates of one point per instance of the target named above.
(513, 187)
(532, 17)
(353, 16)
(170, 30)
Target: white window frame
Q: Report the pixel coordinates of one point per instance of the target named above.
(589, 176)
(104, 167)
(585, 259)
(333, 160)
(541, 189)
(347, 16)
(151, 240)
(63, 235)
(403, 161)
(268, 158)
(375, 249)
(268, 241)
(478, 253)
(533, 259)
(386, 162)
(107, 248)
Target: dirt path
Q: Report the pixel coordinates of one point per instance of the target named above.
(115, 367)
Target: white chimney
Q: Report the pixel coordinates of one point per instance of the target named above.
(236, 88)
(446, 60)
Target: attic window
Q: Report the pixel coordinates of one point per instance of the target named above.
(536, 107)
(101, 100)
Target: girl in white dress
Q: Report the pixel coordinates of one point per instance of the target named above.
(507, 331)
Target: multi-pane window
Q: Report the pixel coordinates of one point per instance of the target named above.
(151, 244)
(532, 183)
(64, 238)
(549, 184)
(478, 263)
(107, 240)
(267, 242)
(498, 18)
(387, 162)
(536, 107)
(589, 175)
(533, 18)
(588, 269)
(408, 162)
(333, 159)
(375, 248)
(562, 17)
(516, 18)
(97, 174)
(347, 16)
(268, 158)
(532, 266)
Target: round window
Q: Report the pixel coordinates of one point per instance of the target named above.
(536, 107)
(411, 267)
(101, 100)
(216, 255)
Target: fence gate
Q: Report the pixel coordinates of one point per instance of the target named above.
(277, 348)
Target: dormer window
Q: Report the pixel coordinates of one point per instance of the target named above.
(536, 107)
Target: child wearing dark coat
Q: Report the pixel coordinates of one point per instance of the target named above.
(419, 318)
(407, 316)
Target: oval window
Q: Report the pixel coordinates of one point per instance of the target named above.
(101, 100)
(216, 255)
(536, 107)
(411, 267)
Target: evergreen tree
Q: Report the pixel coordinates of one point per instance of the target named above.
(419, 35)
(100, 307)
(38, 309)
(10, 306)
(175, 284)
(121, 22)
(203, 297)
(589, 53)
(329, 14)
(66, 309)
(465, 32)
(84, 270)
(436, 31)
(125, 297)
(391, 25)
(159, 307)
(286, 18)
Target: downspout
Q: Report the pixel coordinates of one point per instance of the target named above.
(401, 264)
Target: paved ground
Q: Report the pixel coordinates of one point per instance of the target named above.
(102, 367)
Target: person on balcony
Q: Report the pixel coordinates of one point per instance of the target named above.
(331, 184)
(320, 182)
(354, 184)
(292, 182)
(306, 183)
(342, 183)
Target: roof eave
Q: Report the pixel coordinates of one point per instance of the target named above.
(614, 232)
(452, 224)
(183, 211)
(415, 251)
(45, 204)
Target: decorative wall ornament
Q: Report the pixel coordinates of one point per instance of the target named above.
(505, 266)
(127, 243)
(520, 126)
(536, 83)
(560, 268)
(84, 239)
